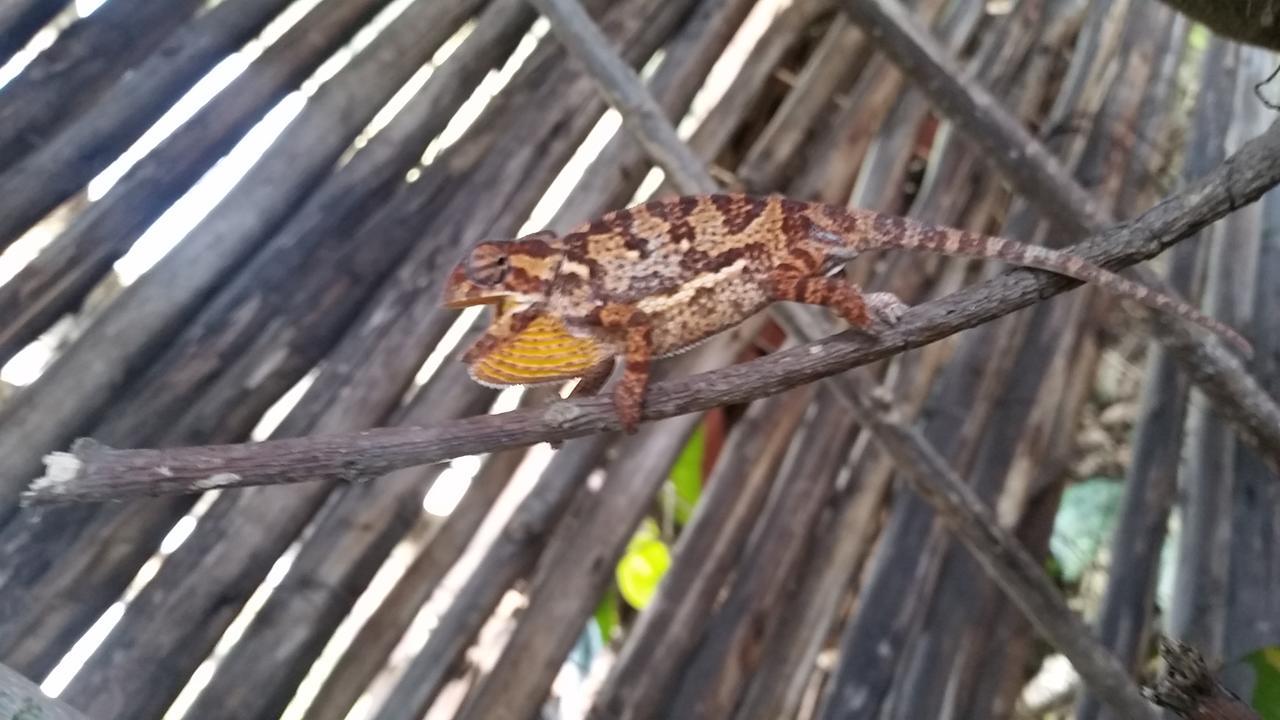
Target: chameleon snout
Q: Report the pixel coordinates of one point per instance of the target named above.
(460, 291)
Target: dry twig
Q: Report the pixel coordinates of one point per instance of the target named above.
(1189, 689)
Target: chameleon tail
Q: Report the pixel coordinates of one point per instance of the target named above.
(861, 231)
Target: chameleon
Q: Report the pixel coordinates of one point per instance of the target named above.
(658, 278)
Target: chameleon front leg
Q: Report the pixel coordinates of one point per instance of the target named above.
(634, 333)
(595, 378)
(843, 298)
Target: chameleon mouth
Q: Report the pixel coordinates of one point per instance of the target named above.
(456, 303)
(460, 292)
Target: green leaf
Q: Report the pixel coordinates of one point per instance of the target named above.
(607, 614)
(1084, 524)
(686, 475)
(643, 565)
(1266, 687)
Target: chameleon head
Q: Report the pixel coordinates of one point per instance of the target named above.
(514, 272)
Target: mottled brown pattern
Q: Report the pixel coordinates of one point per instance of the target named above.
(888, 225)
(795, 227)
(737, 212)
(665, 275)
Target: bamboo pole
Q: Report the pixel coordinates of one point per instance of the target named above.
(56, 406)
(612, 178)
(20, 20)
(1030, 167)
(67, 160)
(1203, 572)
(58, 279)
(709, 548)
(572, 571)
(378, 637)
(716, 674)
(512, 555)
(256, 337)
(346, 545)
(66, 79)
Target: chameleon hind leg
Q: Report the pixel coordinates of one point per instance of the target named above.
(843, 298)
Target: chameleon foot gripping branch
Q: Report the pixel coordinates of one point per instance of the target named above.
(656, 279)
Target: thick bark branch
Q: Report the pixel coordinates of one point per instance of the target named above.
(94, 472)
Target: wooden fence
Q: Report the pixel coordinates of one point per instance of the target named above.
(291, 232)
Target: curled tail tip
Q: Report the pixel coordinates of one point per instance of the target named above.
(1241, 345)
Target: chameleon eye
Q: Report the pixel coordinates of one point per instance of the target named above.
(487, 265)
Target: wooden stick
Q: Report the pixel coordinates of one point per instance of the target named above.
(65, 80)
(20, 20)
(622, 88)
(348, 541)
(378, 636)
(66, 161)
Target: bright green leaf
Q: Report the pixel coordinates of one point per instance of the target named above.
(1266, 688)
(642, 567)
(686, 475)
(607, 614)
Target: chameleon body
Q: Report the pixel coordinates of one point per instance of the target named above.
(658, 278)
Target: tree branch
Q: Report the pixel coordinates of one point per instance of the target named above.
(1190, 690)
(92, 471)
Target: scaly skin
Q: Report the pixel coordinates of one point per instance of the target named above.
(656, 279)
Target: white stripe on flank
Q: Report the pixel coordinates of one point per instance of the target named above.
(686, 292)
